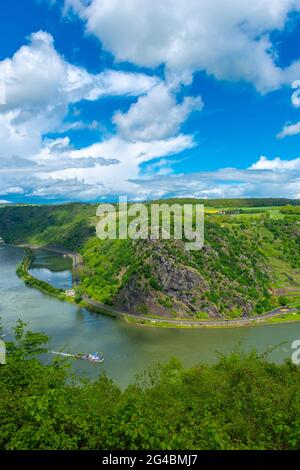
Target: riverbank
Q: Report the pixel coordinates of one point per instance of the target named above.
(31, 281)
(293, 316)
(279, 315)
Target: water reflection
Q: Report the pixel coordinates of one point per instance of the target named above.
(52, 268)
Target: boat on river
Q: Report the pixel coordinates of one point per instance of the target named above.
(94, 357)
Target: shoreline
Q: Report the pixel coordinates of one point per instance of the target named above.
(76, 257)
(23, 272)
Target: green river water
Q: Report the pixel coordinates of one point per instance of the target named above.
(128, 349)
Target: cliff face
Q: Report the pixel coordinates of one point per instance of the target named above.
(164, 284)
(169, 282)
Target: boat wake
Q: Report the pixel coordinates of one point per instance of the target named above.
(62, 354)
(95, 357)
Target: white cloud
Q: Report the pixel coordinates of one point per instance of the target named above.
(37, 76)
(292, 129)
(14, 190)
(265, 178)
(85, 177)
(289, 130)
(186, 36)
(2, 92)
(296, 94)
(130, 155)
(156, 115)
(40, 86)
(229, 39)
(223, 183)
(277, 164)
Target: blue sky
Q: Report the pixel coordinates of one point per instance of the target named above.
(149, 99)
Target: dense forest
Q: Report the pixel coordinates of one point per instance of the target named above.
(66, 226)
(249, 254)
(232, 203)
(242, 402)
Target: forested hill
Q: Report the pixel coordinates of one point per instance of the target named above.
(250, 262)
(70, 225)
(66, 226)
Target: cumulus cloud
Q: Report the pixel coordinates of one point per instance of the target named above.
(192, 35)
(277, 164)
(40, 85)
(37, 76)
(156, 115)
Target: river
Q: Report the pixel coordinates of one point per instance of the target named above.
(128, 349)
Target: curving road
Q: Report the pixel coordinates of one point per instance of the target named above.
(78, 261)
(196, 323)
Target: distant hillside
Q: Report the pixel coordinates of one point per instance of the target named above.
(67, 226)
(246, 202)
(246, 257)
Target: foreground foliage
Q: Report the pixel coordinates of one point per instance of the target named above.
(242, 402)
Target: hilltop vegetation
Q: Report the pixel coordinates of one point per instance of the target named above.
(66, 226)
(247, 256)
(233, 203)
(242, 402)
